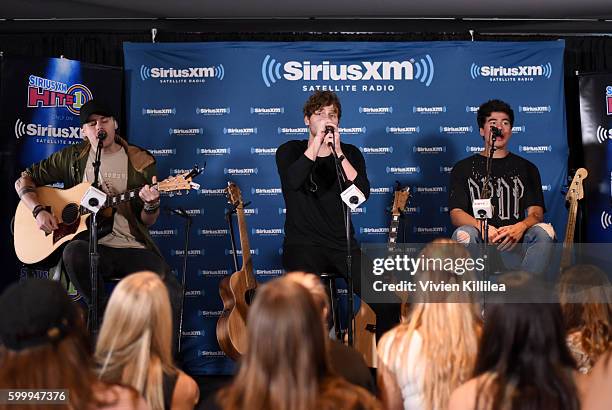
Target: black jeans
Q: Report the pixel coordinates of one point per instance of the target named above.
(316, 259)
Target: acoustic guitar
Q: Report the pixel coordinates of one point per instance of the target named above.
(575, 193)
(32, 245)
(236, 290)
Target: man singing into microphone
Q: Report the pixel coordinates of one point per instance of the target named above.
(315, 236)
(518, 202)
(128, 247)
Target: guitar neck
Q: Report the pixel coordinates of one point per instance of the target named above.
(247, 263)
(115, 200)
(393, 229)
(568, 242)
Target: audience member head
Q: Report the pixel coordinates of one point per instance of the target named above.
(449, 330)
(43, 342)
(313, 284)
(585, 294)
(524, 351)
(286, 360)
(135, 342)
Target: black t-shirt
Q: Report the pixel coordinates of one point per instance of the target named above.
(515, 184)
(312, 195)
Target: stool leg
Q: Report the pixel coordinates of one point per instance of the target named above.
(334, 308)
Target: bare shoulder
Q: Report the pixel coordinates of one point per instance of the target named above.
(596, 387)
(464, 397)
(120, 397)
(186, 392)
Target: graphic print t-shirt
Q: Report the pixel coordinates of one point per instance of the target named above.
(515, 184)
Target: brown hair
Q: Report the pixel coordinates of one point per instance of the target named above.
(286, 360)
(320, 99)
(585, 302)
(65, 364)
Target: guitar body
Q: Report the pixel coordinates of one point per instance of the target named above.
(32, 245)
(231, 326)
(237, 290)
(365, 334)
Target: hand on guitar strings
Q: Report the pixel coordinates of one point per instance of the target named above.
(149, 193)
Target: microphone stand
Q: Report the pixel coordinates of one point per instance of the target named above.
(341, 175)
(484, 221)
(183, 214)
(94, 256)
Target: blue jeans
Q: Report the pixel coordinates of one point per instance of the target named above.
(532, 256)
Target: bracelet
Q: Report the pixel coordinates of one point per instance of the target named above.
(37, 209)
(341, 158)
(151, 208)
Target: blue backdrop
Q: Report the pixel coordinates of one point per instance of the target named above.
(409, 107)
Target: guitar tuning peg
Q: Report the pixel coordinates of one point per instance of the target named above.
(179, 193)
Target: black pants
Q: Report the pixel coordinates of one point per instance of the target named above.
(319, 260)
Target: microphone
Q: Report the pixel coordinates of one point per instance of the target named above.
(102, 135)
(329, 129)
(495, 132)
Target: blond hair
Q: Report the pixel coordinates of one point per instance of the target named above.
(313, 284)
(135, 342)
(449, 333)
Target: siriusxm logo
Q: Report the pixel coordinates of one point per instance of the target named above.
(352, 130)
(473, 149)
(212, 191)
(421, 70)
(240, 131)
(546, 187)
(240, 171)
(266, 191)
(194, 212)
(602, 134)
(209, 353)
(380, 190)
(429, 230)
(193, 333)
(163, 152)
(535, 149)
(175, 171)
(430, 189)
(291, 131)
(282, 211)
(374, 231)
(444, 129)
(429, 150)
(267, 111)
(534, 109)
(376, 150)
(428, 110)
(37, 130)
(267, 232)
(210, 313)
(212, 111)
(251, 211)
(412, 209)
(194, 293)
(218, 272)
(402, 130)
(191, 252)
(263, 151)
(185, 131)
(544, 70)
(239, 252)
(444, 209)
(446, 169)
(403, 170)
(376, 110)
(269, 272)
(158, 112)
(471, 108)
(213, 151)
(518, 128)
(358, 211)
(190, 72)
(163, 232)
(213, 232)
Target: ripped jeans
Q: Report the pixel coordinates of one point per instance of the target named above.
(532, 256)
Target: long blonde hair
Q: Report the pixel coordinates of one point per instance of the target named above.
(449, 331)
(135, 342)
(286, 361)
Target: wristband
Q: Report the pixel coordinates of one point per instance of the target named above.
(151, 208)
(37, 209)
(341, 158)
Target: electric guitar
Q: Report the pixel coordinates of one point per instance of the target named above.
(32, 245)
(236, 290)
(575, 193)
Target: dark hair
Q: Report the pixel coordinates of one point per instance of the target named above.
(523, 347)
(492, 106)
(320, 99)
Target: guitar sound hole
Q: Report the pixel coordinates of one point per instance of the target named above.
(70, 213)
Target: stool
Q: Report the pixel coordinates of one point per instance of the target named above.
(329, 281)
